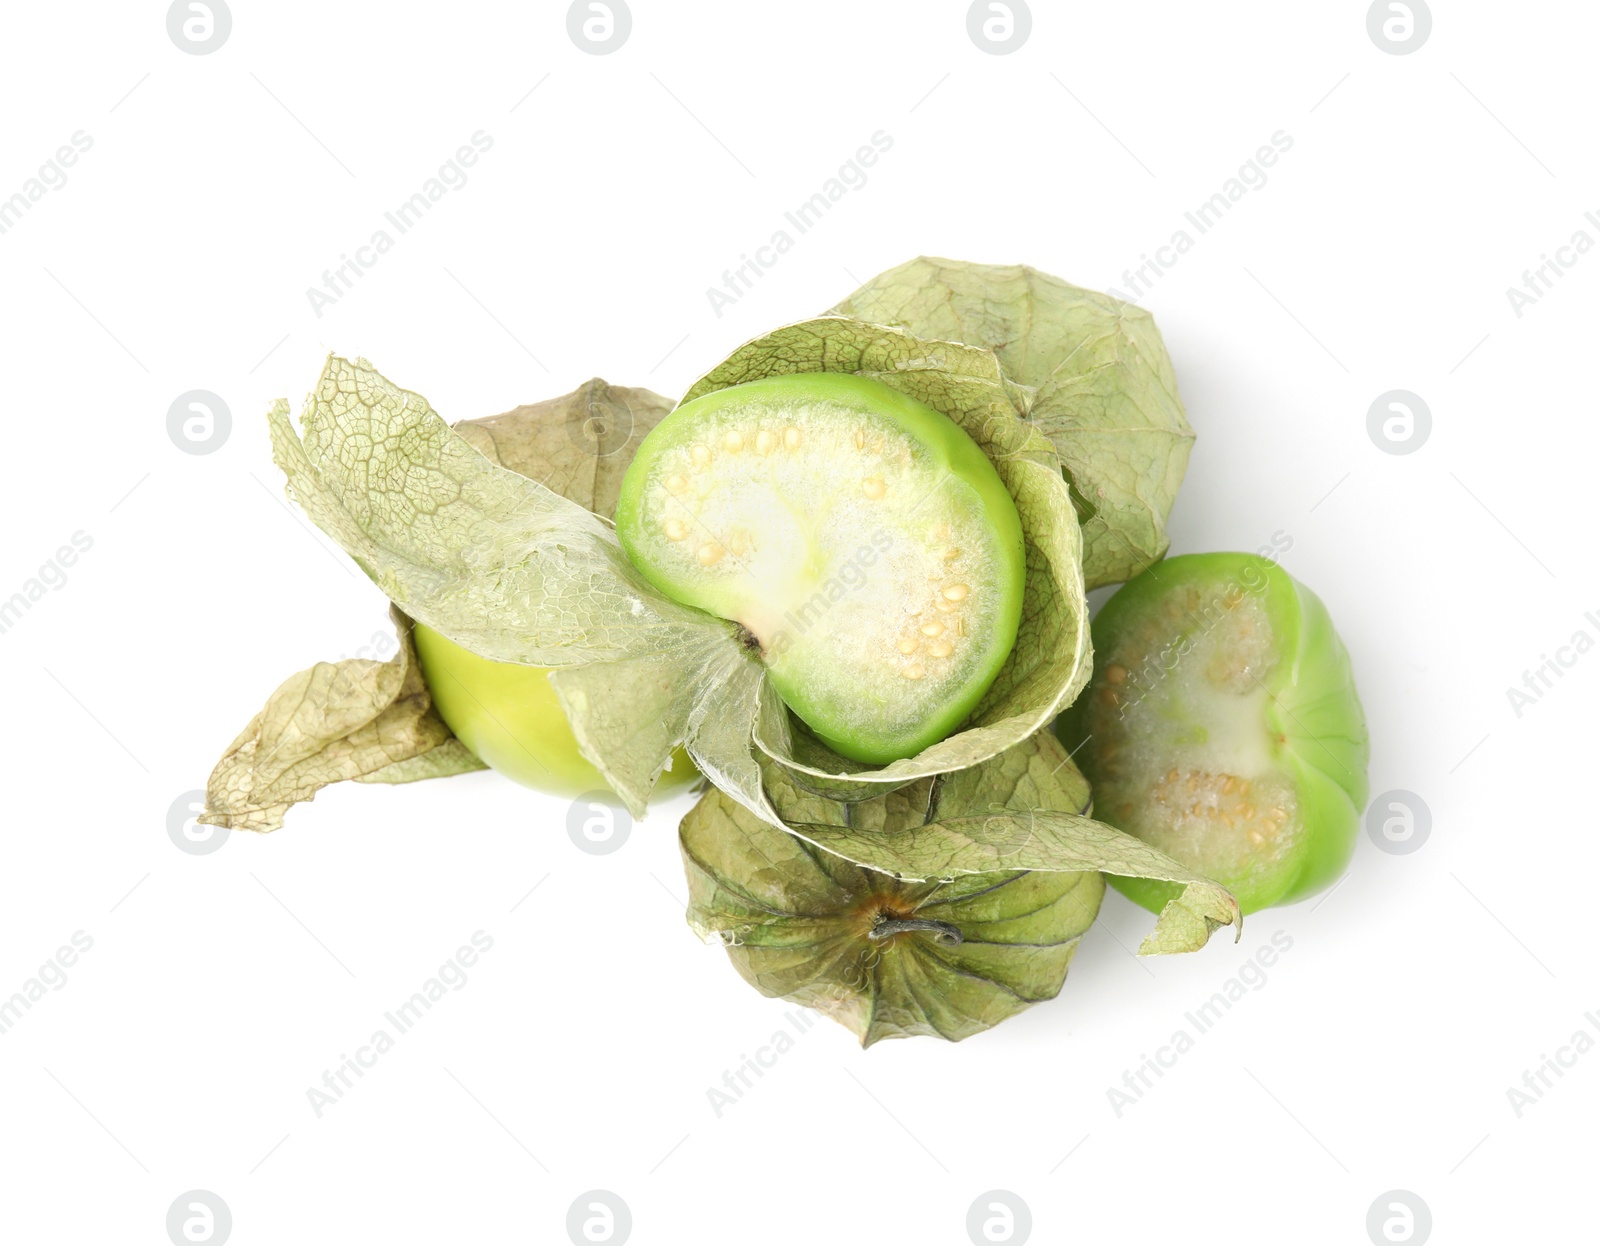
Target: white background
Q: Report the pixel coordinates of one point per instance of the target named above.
(219, 988)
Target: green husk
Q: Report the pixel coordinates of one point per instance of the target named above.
(1089, 370)
(1003, 852)
(578, 445)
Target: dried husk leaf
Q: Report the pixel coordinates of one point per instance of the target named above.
(578, 445)
(508, 568)
(354, 719)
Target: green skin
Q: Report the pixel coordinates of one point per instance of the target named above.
(508, 715)
(948, 454)
(1311, 728)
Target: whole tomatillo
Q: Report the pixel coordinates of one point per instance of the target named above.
(509, 717)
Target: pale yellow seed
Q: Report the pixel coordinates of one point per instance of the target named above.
(874, 488)
(945, 607)
(700, 456)
(932, 629)
(907, 644)
(676, 529)
(950, 555)
(956, 592)
(766, 442)
(733, 441)
(791, 438)
(941, 648)
(861, 439)
(677, 484)
(914, 671)
(708, 554)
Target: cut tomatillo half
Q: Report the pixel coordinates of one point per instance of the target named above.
(864, 541)
(1222, 727)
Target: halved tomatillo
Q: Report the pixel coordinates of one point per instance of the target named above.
(1222, 727)
(863, 540)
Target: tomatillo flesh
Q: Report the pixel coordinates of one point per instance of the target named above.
(1222, 727)
(863, 541)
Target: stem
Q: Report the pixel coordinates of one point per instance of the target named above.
(888, 927)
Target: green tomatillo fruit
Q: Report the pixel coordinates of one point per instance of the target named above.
(863, 540)
(508, 716)
(1222, 727)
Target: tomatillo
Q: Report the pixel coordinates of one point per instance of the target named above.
(508, 715)
(863, 540)
(1222, 727)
